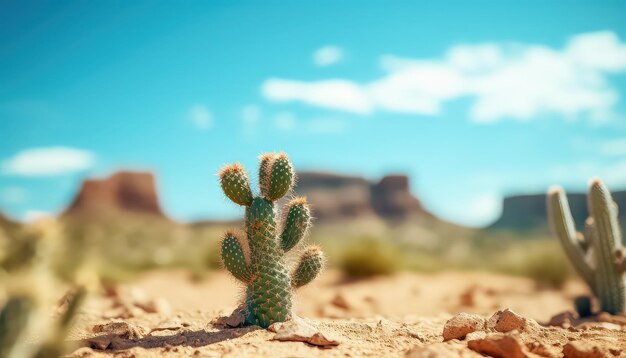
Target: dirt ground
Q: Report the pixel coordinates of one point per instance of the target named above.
(167, 314)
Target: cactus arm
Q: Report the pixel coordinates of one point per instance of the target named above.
(297, 223)
(309, 266)
(281, 177)
(265, 165)
(234, 258)
(562, 223)
(610, 284)
(235, 184)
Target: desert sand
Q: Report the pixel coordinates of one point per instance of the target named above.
(167, 314)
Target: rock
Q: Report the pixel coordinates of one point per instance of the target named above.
(299, 330)
(578, 349)
(100, 342)
(505, 321)
(599, 326)
(461, 325)
(563, 319)
(120, 329)
(169, 325)
(235, 319)
(340, 301)
(609, 318)
(498, 346)
(467, 298)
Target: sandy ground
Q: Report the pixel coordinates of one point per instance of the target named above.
(166, 314)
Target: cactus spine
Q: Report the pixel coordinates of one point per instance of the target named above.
(257, 259)
(597, 255)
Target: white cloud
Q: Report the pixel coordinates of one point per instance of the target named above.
(327, 55)
(201, 116)
(337, 94)
(251, 114)
(48, 161)
(285, 121)
(518, 81)
(614, 147)
(14, 195)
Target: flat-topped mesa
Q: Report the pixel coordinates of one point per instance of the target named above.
(392, 198)
(121, 193)
(337, 197)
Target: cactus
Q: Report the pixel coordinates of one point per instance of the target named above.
(597, 256)
(56, 345)
(14, 317)
(258, 259)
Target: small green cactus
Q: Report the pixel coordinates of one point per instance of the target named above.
(598, 255)
(258, 260)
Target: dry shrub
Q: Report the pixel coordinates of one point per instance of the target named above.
(371, 257)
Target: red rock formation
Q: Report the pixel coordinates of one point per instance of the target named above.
(123, 192)
(391, 198)
(334, 196)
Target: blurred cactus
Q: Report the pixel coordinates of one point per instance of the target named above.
(14, 318)
(258, 260)
(55, 345)
(30, 277)
(598, 255)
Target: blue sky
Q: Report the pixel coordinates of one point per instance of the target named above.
(473, 100)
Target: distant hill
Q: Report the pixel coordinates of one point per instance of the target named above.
(121, 193)
(529, 212)
(332, 196)
(336, 197)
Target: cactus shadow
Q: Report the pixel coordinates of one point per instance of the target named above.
(199, 338)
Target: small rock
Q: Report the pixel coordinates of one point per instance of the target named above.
(498, 346)
(340, 301)
(168, 325)
(467, 298)
(506, 320)
(599, 326)
(120, 329)
(564, 319)
(461, 325)
(578, 349)
(155, 306)
(609, 318)
(236, 319)
(298, 330)
(100, 342)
